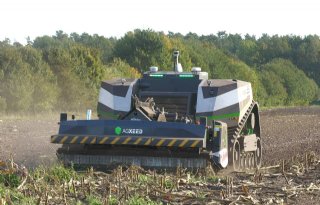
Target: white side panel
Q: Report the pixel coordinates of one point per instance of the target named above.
(222, 101)
(246, 98)
(116, 102)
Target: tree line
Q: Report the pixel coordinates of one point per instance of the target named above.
(63, 72)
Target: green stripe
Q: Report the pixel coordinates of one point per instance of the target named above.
(186, 76)
(156, 75)
(229, 115)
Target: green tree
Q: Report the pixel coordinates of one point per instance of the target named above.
(144, 48)
(299, 88)
(28, 83)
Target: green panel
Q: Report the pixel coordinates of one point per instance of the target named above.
(156, 75)
(186, 76)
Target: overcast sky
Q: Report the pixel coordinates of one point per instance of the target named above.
(22, 18)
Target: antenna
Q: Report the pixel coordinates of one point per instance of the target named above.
(176, 65)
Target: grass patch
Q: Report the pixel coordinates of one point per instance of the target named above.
(169, 184)
(10, 180)
(94, 200)
(144, 178)
(56, 173)
(139, 200)
(213, 179)
(62, 173)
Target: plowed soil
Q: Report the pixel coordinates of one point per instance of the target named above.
(290, 132)
(286, 132)
(27, 142)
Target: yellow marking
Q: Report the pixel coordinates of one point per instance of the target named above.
(172, 143)
(84, 140)
(53, 139)
(183, 143)
(74, 139)
(64, 139)
(115, 140)
(93, 141)
(103, 140)
(195, 143)
(137, 141)
(215, 134)
(160, 142)
(148, 141)
(127, 140)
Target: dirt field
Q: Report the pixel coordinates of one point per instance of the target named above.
(28, 141)
(286, 133)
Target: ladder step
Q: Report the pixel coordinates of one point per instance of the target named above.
(243, 120)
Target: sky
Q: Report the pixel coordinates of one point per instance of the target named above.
(20, 19)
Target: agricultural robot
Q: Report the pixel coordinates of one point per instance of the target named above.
(166, 120)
